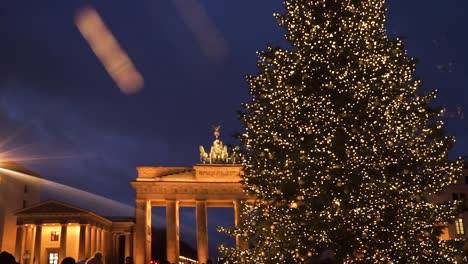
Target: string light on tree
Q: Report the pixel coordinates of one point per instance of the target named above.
(340, 148)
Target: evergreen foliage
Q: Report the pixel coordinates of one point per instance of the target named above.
(340, 149)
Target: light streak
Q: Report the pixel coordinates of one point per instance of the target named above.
(107, 49)
(77, 195)
(15, 154)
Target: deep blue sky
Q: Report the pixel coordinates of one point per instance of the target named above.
(57, 99)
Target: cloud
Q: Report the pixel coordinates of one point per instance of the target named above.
(99, 159)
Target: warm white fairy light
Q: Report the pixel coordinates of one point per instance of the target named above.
(341, 146)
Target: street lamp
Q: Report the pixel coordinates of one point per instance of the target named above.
(26, 257)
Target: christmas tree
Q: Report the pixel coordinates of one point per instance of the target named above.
(341, 149)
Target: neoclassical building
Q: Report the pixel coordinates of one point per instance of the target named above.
(459, 192)
(49, 231)
(19, 188)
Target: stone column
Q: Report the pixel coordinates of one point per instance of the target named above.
(102, 242)
(37, 244)
(108, 246)
(93, 240)
(172, 230)
(63, 242)
(82, 242)
(88, 242)
(28, 245)
(98, 239)
(240, 244)
(114, 249)
(19, 242)
(142, 245)
(116, 246)
(128, 245)
(148, 231)
(103, 245)
(202, 231)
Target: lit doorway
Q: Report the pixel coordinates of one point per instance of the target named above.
(53, 256)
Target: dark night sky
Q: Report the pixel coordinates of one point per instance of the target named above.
(59, 102)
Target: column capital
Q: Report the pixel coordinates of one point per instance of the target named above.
(142, 201)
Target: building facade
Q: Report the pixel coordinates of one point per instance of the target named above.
(19, 188)
(50, 231)
(459, 192)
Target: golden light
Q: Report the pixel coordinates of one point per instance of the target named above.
(22, 153)
(339, 111)
(107, 49)
(293, 205)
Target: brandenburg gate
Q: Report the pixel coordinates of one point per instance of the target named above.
(213, 183)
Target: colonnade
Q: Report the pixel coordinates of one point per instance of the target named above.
(29, 241)
(203, 186)
(143, 229)
(24, 242)
(91, 239)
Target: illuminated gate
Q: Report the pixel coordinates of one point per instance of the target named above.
(216, 183)
(172, 187)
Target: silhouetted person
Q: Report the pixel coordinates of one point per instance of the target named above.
(68, 260)
(97, 259)
(128, 260)
(7, 258)
(209, 261)
(83, 261)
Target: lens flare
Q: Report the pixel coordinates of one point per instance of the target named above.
(107, 49)
(18, 154)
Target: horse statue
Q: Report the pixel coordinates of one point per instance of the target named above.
(203, 155)
(235, 155)
(218, 152)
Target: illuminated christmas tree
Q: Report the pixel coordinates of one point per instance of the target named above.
(341, 150)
